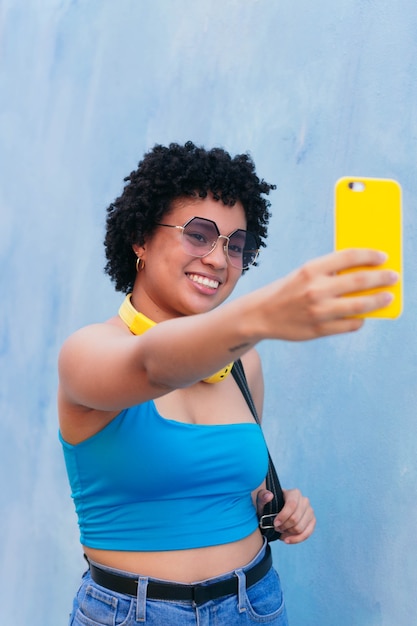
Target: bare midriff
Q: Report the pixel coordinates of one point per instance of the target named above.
(183, 566)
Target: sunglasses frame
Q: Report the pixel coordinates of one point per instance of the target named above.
(219, 236)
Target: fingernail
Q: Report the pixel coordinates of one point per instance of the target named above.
(383, 256)
(394, 276)
(388, 297)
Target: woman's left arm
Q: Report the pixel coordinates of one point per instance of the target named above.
(296, 520)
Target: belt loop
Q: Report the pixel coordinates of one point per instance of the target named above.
(141, 599)
(241, 592)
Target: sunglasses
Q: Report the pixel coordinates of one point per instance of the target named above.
(200, 237)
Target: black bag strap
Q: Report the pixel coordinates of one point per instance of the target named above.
(272, 508)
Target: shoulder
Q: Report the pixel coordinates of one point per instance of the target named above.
(113, 326)
(88, 354)
(85, 368)
(85, 339)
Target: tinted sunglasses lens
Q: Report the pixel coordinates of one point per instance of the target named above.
(242, 249)
(199, 237)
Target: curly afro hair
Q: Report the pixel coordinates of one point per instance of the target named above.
(167, 173)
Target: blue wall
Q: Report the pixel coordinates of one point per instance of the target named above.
(314, 90)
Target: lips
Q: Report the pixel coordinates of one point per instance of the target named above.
(204, 281)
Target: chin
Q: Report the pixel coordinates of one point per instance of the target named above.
(201, 307)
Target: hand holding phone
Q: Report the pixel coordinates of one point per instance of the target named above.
(368, 215)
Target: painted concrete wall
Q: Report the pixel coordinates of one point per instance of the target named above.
(314, 90)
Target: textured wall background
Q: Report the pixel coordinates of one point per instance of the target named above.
(314, 91)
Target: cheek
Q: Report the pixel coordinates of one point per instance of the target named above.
(167, 259)
(231, 283)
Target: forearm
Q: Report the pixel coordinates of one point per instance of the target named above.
(104, 368)
(183, 351)
(304, 305)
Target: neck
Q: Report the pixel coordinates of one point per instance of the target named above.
(138, 324)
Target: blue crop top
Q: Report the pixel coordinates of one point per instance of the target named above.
(147, 483)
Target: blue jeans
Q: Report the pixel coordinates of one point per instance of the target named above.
(262, 603)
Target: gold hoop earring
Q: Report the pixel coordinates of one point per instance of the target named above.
(140, 264)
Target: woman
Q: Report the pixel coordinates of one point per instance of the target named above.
(165, 461)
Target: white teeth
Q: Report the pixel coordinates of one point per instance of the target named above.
(202, 280)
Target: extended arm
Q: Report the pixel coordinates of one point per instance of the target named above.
(104, 368)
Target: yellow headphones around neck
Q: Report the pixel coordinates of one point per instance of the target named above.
(138, 323)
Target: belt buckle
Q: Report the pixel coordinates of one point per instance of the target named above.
(267, 521)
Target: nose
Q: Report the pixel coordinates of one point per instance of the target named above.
(217, 257)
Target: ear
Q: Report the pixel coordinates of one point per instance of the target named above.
(139, 250)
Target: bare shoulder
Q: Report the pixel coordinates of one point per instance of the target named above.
(94, 365)
(86, 346)
(87, 382)
(86, 337)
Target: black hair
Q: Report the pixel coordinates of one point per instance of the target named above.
(167, 173)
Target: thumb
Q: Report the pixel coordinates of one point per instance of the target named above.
(263, 497)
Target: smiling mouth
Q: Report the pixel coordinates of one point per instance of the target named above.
(204, 281)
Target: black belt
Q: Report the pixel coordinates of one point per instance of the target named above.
(199, 594)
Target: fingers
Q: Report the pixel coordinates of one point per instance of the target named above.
(311, 302)
(290, 539)
(363, 280)
(348, 272)
(296, 521)
(360, 280)
(361, 304)
(262, 497)
(333, 315)
(349, 258)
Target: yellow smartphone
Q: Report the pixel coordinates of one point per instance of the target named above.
(368, 214)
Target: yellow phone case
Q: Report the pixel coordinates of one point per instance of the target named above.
(368, 215)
